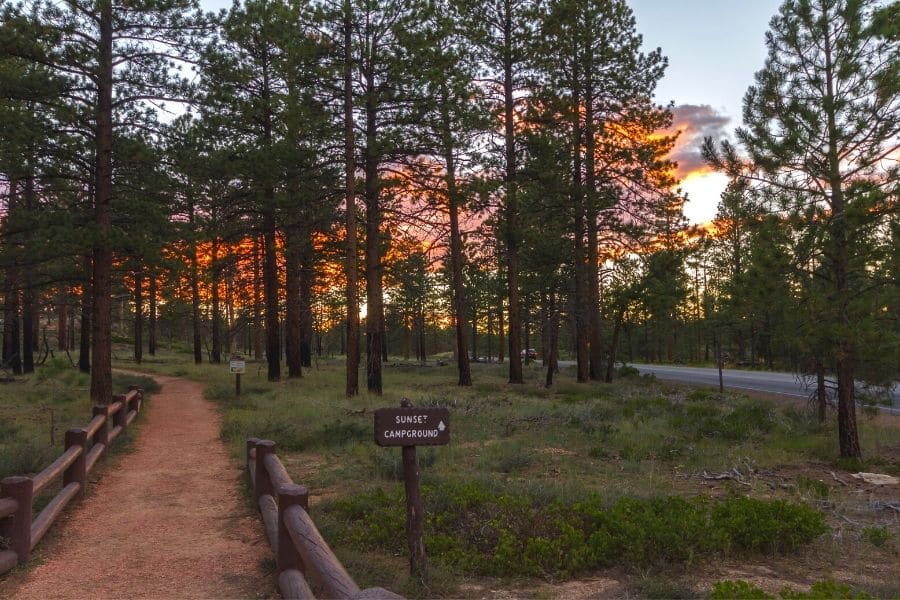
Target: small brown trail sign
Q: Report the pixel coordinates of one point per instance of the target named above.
(409, 427)
(238, 366)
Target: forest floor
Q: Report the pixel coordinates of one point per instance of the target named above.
(167, 520)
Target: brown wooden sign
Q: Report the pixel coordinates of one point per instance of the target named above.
(412, 426)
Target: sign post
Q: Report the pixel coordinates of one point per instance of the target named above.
(237, 365)
(409, 427)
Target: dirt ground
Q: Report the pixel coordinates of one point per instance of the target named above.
(166, 521)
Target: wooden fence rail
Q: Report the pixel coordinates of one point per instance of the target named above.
(302, 555)
(19, 534)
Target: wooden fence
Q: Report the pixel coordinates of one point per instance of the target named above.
(300, 551)
(84, 446)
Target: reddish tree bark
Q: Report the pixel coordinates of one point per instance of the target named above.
(101, 301)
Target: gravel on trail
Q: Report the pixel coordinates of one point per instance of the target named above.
(167, 521)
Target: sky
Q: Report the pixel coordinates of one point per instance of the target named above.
(714, 48)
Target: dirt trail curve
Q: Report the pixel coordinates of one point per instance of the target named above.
(167, 522)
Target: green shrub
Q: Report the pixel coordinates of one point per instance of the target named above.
(495, 533)
(22, 457)
(738, 590)
(511, 457)
(766, 525)
(121, 381)
(388, 462)
(877, 536)
(746, 420)
(600, 452)
(53, 369)
(644, 406)
(8, 429)
(626, 371)
(338, 433)
(703, 419)
(700, 394)
(827, 589)
(813, 487)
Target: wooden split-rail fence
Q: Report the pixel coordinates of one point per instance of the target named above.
(301, 554)
(84, 447)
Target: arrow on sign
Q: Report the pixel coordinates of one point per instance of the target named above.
(441, 426)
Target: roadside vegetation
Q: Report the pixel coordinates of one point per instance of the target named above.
(36, 411)
(663, 489)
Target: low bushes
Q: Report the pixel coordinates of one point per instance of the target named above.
(490, 533)
(826, 589)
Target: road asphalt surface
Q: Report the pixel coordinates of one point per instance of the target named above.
(785, 384)
(768, 382)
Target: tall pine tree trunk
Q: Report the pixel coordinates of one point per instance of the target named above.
(270, 290)
(292, 323)
(101, 330)
(307, 274)
(456, 255)
(351, 266)
(138, 313)
(12, 357)
(30, 332)
(229, 308)
(84, 338)
(593, 262)
(848, 435)
(614, 345)
(501, 335)
(511, 204)
(215, 276)
(151, 317)
(582, 318)
(257, 300)
(374, 268)
(551, 328)
(195, 297)
(62, 319)
(29, 326)
(821, 392)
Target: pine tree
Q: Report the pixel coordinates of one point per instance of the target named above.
(503, 33)
(114, 59)
(824, 113)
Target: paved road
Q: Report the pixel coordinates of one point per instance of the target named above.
(785, 384)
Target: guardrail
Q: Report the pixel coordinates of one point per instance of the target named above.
(300, 551)
(84, 446)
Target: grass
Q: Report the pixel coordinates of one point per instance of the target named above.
(537, 455)
(537, 485)
(37, 409)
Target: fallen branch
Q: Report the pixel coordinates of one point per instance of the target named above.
(733, 475)
(838, 479)
(881, 505)
(851, 521)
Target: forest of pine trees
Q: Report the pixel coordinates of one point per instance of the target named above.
(402, 178)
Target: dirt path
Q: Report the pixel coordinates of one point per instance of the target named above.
(167, 522)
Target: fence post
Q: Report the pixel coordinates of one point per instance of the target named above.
(251, 445)
(263, 481)
(121, 417)
(77, 472)
(17, 528)
(102, 435)
(288, 556)
(138, 398)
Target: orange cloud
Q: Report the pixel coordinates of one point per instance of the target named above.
(694, 122)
